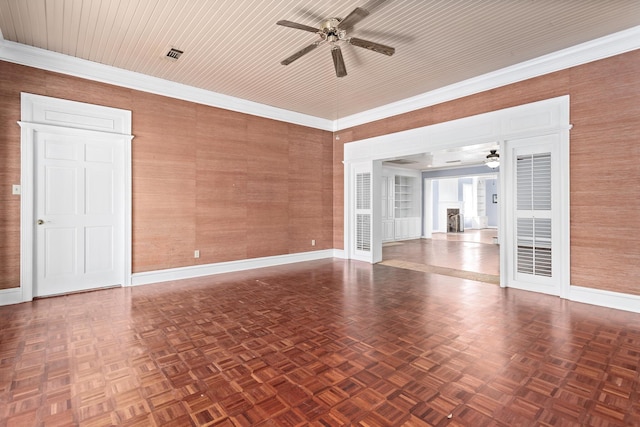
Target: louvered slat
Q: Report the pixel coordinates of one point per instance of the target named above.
(533, 233)
(363, 191)
(363, 232)
(363, 219)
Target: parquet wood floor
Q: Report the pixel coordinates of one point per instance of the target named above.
(322, 343)
(468, 255)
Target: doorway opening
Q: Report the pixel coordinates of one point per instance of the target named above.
(470, 255)
(515, 130)
(459, 232)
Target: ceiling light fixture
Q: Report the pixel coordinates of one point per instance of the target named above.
(493, 159)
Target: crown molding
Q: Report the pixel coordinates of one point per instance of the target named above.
(65, 64)
(604, 47)
(601, 48)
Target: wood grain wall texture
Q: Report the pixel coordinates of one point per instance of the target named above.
(604, 160)
(231, 185)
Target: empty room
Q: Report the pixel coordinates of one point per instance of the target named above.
(339, 213)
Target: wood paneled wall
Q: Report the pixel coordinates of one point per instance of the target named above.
(231, 185)
(604, 160)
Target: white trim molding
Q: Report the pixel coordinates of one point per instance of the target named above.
(11, 296)
(594, 50)
(602, 298)
(535, 119)
(180, 273)
(42, 113)
(339, 253)
(604, 47)
(65, 64)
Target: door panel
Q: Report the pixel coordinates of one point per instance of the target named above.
(99, 191)
(60, 183)
(79, 209)
(60, 251)
(535, 221)
(99, 249)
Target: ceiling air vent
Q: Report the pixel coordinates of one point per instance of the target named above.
(174, 53)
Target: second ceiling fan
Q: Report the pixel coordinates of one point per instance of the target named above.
(334, 30)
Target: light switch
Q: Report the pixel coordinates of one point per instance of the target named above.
(15, 189)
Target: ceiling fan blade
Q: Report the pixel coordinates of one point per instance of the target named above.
(353, 18)
(297, 26)
(376, 47)
(300, 53)
(338, 61)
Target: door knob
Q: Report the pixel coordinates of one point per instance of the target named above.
(40, 221)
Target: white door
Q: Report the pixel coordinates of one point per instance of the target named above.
(363, 212)
(78, 211)
(364, 221)
(535, 222)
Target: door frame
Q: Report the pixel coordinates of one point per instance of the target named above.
(527, 120)
(39, 113)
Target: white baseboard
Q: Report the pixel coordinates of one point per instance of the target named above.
(339, 253)
(148, 277)
(617, 300)
(11, 296)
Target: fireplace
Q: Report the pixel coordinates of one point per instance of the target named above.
(455, 221)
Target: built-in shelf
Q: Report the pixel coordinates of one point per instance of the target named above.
(404, 196)
(401, 204)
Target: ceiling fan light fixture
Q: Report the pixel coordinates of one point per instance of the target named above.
(493, 159)
(330, 26)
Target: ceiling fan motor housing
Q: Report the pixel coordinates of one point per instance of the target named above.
(330, 30)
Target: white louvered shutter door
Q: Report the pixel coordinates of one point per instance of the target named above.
(534, 215)
(363, 212)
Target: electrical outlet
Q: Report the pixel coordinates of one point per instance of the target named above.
(313, 243)
(196, 253)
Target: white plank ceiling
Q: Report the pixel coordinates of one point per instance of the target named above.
(234, 47)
